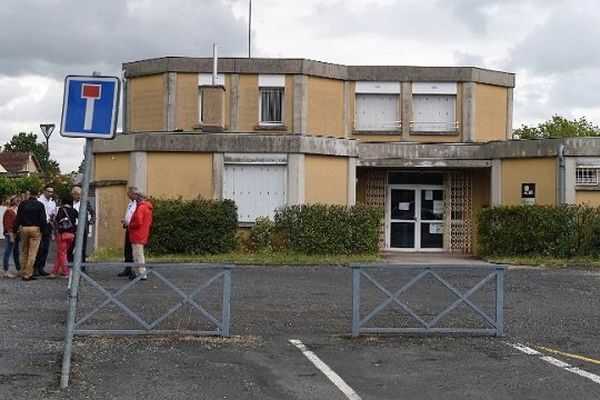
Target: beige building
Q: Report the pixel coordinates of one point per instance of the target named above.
(430, 145)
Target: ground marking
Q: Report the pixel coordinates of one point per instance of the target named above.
(557, 363)
(324, 368)
(570, 355)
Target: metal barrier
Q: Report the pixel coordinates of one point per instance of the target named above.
(221, 326)
(496, 323)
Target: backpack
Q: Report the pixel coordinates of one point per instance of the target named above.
(63, 224)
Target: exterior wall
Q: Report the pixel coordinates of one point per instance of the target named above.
(326, 180)
(589, 197)
(435, 138)
(481, 199)
(147, 103)
(186, 109)
(113, 166)
(188, 175)
(491, 112)
(111, 202)
(248, 102)
(541, 171)
(325, 107)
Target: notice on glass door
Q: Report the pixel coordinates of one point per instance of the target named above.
(436, 229)
(429, 195)
(438, 207)
(404, 206)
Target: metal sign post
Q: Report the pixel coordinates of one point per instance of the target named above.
(90, 110)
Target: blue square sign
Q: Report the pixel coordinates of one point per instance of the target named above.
(90, 107)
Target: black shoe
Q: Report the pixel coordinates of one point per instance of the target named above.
(125, 272)
(132, 276)
(82, 269)
(43, 273)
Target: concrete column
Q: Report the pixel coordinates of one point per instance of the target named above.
(351, 181)
(296, 179)
(346, 111)
(125, 113)
(406, 109)
(138, 172)
(300, 105)
(235, 103)
(217, 175)
(570, 174)
(468, 112)
(509, 113)
(170, 101)
(496, 183)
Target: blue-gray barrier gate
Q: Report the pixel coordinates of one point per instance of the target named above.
(496, 322)
(221, 325)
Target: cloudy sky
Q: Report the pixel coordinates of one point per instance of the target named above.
(551, 45)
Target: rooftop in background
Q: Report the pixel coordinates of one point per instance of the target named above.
(15, 164)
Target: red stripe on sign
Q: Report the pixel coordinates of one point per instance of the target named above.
(90, 91)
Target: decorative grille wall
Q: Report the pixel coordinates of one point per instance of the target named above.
(458, 213)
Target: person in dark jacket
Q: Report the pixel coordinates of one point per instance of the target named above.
(65, 227)
(30, 220)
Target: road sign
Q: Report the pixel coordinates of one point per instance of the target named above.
(90, 107)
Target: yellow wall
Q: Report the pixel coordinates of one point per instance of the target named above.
(589, 197)
(188, 175)
(111, 166)
(326, 180)
(147, 103)
(481, 199)
(186, 110)
(541, 171)
(111, 202)
(490, 112)
(248, 102)
(435, 138)
(325, 106)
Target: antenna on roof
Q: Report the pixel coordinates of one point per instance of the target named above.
(214, 72)
(249, 26)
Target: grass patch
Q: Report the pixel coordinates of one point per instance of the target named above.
(116, 254)
(593, 262)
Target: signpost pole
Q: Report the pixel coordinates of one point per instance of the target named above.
(76, 269)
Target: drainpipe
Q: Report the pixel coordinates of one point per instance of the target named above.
(561, 174)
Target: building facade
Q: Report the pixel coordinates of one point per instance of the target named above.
(430, 145)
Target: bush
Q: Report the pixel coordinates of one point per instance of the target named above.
(193, 227)
(329, 229)
(540, 230)
(262, 235)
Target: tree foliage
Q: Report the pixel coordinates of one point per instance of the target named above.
(558, 127)
(27, 143)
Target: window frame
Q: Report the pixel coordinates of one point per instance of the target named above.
(434, 90)
(261, 91)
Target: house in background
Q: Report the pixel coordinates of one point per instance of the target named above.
(430, 145)
(17, 164)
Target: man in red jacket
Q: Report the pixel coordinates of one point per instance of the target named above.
(139, 230)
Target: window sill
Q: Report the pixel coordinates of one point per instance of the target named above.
(260, 127)
(587, 188)
(434, 133)
(389, 133)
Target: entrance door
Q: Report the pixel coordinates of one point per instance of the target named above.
(415, 218)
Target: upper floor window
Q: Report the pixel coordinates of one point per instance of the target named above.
(271, 89)
(434, 107)
(377, 106)
(587, 176)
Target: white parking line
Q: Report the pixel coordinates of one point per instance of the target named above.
(557, 363)
(324, 368)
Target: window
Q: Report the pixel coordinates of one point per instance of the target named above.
(587, 176)
(257, 189)
(377, 106)
(434, 107)
(271, 89)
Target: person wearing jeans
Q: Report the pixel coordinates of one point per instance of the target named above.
(11, 244)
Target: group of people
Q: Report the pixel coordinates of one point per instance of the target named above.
(29, 225)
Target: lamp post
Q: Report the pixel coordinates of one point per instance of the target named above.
(47, 130)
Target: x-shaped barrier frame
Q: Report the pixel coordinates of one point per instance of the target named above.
(359, 325)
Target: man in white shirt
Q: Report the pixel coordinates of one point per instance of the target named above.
(91, 219)
(127, 249)
(46, 198)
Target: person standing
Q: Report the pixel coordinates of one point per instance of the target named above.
(66, 226)
(127, 250)
(30, 220)
(91, 219)
(50, 207)
(139, 231)
(11, 244)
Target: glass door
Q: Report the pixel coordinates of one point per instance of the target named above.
(402, 217)
(431, 219)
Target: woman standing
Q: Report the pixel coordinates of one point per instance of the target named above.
(64, 223)
(11, 243)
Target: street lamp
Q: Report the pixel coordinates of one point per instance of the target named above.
(47, 130)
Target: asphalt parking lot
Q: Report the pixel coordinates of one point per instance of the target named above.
(555, 312)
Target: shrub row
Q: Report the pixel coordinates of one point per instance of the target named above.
(193, 227)
(540, 230)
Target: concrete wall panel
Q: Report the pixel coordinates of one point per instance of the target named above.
(188, 175)
(325, 107)
(147, 103)
(541, 171)
(491, 113)
(326, 180)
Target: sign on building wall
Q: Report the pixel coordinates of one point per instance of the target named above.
(528, 193)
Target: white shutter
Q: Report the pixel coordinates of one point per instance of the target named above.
(434, 113)
(376, 112)
(256, 189)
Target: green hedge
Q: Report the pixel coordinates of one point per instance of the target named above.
(193, 227)
(329, 229)
(539, 230)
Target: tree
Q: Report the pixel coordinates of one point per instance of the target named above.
(558, 127)
(27, 143)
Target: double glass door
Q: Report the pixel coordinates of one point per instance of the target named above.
(415, 216)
